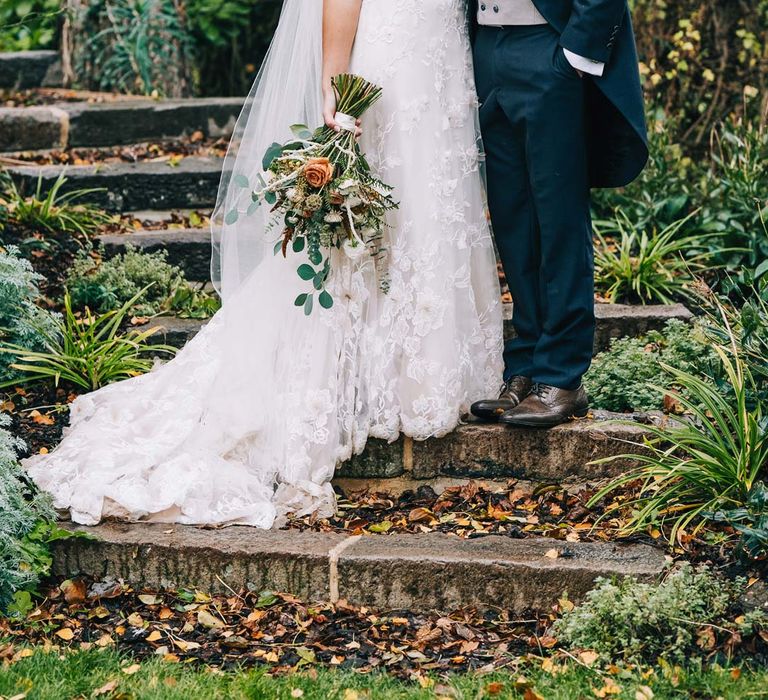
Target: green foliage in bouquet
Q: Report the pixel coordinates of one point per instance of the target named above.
(22, 322)
(675, 620)
(323, 193)
(89, 351)
(627, 376)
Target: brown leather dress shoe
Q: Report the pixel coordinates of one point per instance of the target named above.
(512, 393)
(548, 406)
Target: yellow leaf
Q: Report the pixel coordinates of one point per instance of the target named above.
(350, 694)
(106, 688)
(210, 621)
(149, 599)
(154, 636)
(531, 694)
(552, 554)
(297, 693)
(610, 688)
(65, 633)
(130, 670)
(588, 657)
(643, 693)
(135, 620)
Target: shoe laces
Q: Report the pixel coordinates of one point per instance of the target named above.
(543, 391)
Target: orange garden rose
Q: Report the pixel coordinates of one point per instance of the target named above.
(318, 172)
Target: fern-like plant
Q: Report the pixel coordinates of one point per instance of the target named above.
(23, 323)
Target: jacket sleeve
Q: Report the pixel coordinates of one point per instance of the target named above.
(593, 27)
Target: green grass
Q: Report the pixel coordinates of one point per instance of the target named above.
(80, 674)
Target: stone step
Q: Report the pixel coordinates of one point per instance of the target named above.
(565, 454)
(71, 124)
(432, 571)
(613, 320)
(191, 184)
(29, 69)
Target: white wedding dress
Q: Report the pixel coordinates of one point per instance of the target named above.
(248, 423)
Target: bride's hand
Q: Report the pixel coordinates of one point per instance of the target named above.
(329, 113)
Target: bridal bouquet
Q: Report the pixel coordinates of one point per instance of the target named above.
(323, 193)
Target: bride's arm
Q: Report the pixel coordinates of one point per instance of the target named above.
(340, 18)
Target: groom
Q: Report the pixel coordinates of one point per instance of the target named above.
(561, 112)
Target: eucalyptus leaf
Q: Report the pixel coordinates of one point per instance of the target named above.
(241, 180)
(301, 299)
(231, 217)
(298, 244)
(252, 208)
(306, 272)
(300, 131)
(308, 306)
(274, 151)
(325, 299)
(270, 197)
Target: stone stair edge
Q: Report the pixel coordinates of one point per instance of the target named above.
(114, 122)
(395, 572)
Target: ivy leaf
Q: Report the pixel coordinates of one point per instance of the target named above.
(241, 180)
(308, 306)
(306, 272)
(298, 244)
(273, 152)
(231, 217)
(325, 299)
(301, 299)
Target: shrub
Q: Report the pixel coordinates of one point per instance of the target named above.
(22, 323)
(626, 377)
(735, 198)
(89, 352)
(711, 461)
(106, 284)
(22, 510)
(29, 24)
(678, 619)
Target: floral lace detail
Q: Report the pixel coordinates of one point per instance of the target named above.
(250, 420)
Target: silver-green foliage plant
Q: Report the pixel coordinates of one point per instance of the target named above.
(626, 377)
(22, 510)
(678, 619)
(106, 284)
(22, 322)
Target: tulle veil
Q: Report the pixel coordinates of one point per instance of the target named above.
(287, 91)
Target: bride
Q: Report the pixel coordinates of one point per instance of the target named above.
(247, 424)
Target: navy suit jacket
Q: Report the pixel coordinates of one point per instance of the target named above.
(602, 30)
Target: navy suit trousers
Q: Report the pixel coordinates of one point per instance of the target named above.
(532, 117)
